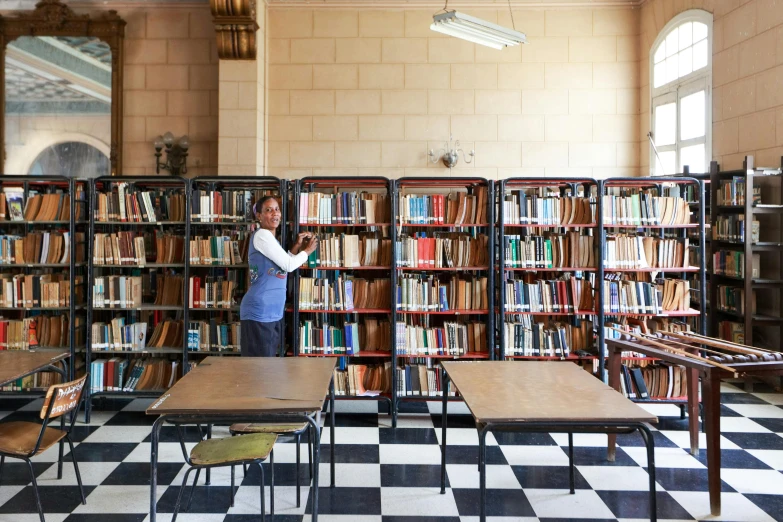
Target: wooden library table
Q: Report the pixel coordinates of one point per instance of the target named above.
(710, 396)
(16, 364)
(224, 390)
(540, 396)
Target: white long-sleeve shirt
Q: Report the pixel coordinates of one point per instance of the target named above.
(266, 243)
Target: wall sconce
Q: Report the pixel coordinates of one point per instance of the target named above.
(450, 155)
(176, 154)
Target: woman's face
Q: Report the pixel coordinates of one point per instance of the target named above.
(269, 216)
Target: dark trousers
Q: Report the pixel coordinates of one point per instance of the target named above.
(260, 339)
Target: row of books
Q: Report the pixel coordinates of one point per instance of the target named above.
(645, 208)
(39, 290)
(732, 331)
(40, 247)
(421, 380)
(732, 299)
(456, 208)
(122, 374)
(128, 291)
(126, 203)
(445, 250)
(520, 208)
(732, 192)
(55, 206)
(424, 293)
(219, 250)
(337, 292)
(637, 297)
(732, 263)
(654, 381)
(573, 250)
(732, 228)
(36, 381)
(136, 248)
(343, 208)
(116, 335)
(553, 340)
(363, 380)
(369, 335)
(212, 291)
(566, 294)
(352, 251)
(455, 339)
(629, 251)
(212, 336)
(227, 205)
(39, 331)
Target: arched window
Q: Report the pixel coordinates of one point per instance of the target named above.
(681, 85)
(71, 159)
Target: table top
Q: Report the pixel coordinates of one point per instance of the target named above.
(249, 385)
(539, 391)
(15, 364)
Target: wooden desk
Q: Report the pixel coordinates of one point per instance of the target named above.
(16, 364)
(535, 396)
(224, 390)
(710, 396)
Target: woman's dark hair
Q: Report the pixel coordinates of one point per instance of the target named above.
(260, 204)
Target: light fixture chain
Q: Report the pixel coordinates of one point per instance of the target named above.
(513, 25)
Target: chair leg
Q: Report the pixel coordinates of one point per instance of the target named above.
(60, 461)
(35, 489)
(272, 484)
(310, 450)
(298, 442)
(232, 486)
(181, 491)
(192, 490)
(263, 503)
(76, 469)
(2, 461)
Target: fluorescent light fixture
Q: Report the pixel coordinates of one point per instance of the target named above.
(476, 30)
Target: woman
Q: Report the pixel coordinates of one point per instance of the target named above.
(261, 313)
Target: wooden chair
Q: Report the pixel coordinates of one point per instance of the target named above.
(229, 451)
(23, 440)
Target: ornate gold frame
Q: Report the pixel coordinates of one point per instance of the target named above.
(235, 28)
(53, 18)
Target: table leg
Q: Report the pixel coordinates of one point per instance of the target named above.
(710, 387)
(571, 478)
(444, 379)
(154, 466)
(331, 427)
(692, 379)
(483, 472)
(207, 481)
(649, 441)
(614, 381)
(316, 464)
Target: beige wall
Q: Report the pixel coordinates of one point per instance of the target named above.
(747, 76)
(366, 92)
(171, 84)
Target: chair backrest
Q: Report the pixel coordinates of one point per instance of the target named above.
(63, 398)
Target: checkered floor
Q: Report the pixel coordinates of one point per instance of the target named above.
(386, 475)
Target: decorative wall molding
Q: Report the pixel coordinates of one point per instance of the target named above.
(235, 28)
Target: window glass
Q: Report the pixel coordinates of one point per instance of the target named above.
(699, 31)
(665, 165)
(660, 54)
(686, 61)
(692, 115)
(686, 35)
(672, 45)
(659, 73)
(693, 156)
(665, 124)
(700, 55)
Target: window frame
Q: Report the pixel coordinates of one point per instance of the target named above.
(681, 87)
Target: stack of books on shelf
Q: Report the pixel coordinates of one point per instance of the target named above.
(343, 208)
(569, 250)
(119, 336)
(732, 229)
(351, 251)
(317, 336)
(732, 263)
(458, 208)
(119, 374)
(633, 251)
(130, 291)
(732, 300)
(427, 293)
(444, 250)
(642, 207)
(137, 248)
(421, 380)
(732, 192)
(452, 339)
(38, 291)
(38, 207)
(544, 208)
(362, 380)
(213, 291)
(44, 331)
(637, 297)
(39, 247)
(527, 338)
(126, 203)
(226, 205)
(334, 291)
(214, 336)
(656, 381)
(732, 331)
(566, 294)
(219, 250)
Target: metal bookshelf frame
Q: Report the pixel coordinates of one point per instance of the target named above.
(437, 184)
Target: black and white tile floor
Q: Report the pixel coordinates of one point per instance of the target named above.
(387, 475)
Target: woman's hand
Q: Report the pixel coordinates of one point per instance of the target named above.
(311, 244)
(301, 239)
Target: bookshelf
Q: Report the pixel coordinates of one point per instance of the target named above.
(221, 228)
(443, 279)
(342, 297)
(747, 245)
(547, 256)
(137, 277)
(43, 223)
(646, 227)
